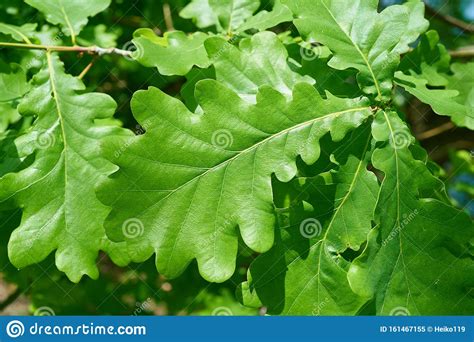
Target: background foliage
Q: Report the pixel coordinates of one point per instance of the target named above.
(137, 288)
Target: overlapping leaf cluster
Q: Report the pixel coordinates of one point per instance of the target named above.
(333, 192)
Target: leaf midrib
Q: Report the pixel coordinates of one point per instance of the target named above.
(285, 131)
(52, 77)
(366, 61)
(24, 37)
(68, 22)
(397, 166)
(323, 241)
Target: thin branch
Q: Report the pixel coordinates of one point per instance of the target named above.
(465, 52)
(466, 27)
(86, 69)
(168, 17)
(435, 131)
(93, 50)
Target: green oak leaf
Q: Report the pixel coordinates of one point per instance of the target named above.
(14, 86)
(360, 37)
(19, 33)
(174, 54)
(9, 115)
(264, 20)
(226, 15)
(449, 90)
(56, 192)
(200, 12)
(341, 83)
(215, 169)
(259, 60)
(305, 272)
(10, 160)
(12, 82)
(462, 80)
(71, 15)
(417, 260)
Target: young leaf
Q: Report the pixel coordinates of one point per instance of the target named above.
(419, 253)
(14, 85)
(72, 15)
(12, 82)
(226, 15)
(215, 171)
(200, 12)
(19, 33)
(60, 209)
(174, 54)
(305, 272)
(360, 37)
(264, 20)
(260, 60)
(427, 67)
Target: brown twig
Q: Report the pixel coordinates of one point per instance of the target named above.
(87, 68)
(93, 50)
(465, 52)
(168, 17)
(435, 131)
(466, 27)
